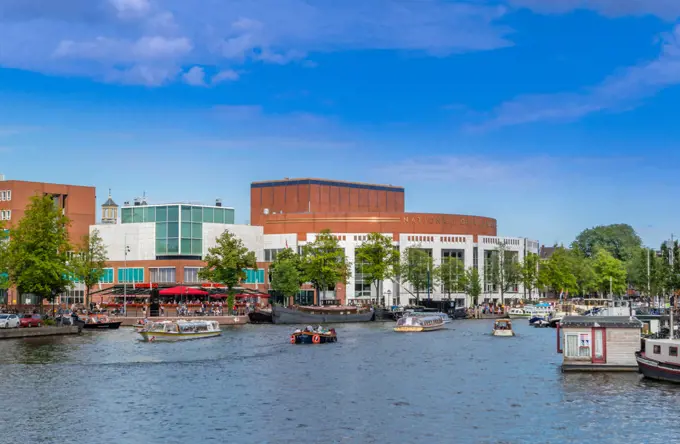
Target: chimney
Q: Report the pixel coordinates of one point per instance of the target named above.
(2, 177)
(218, 202)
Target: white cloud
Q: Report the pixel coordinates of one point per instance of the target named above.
(195, 76)
(665, 9)
(131, 8)
(224, 76)
(94, 36)
(618, 92)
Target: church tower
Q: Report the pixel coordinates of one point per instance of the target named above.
(109, 211)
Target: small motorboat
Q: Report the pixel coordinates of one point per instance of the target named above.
(417, 324)
(534, 319)
(181, 330)
(503, 327)
(310, 335)
(100, 322)
(542, 323)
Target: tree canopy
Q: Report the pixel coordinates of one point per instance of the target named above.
(37, 255)
(416, 269)
(609, 270)
(378, 259)
(286, 278)
(226, 263)
(89, 261)
(473, 284)
(620, 240)
(529, 272)
(324, 263)
(451, 275)
(505, 270)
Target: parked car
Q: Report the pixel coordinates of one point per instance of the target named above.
(9, 320)
(30, 320)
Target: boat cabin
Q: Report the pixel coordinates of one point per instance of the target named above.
(598, 343)
(662, 350)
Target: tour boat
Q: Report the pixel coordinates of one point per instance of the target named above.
(100, 322)
(517, 313)
(660, 359)
(180, 330)
(503, 327)
(309, 335)
(445, 317)
(419, 324)
(321, 315)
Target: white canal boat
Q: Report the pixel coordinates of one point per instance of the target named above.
(416, 324)
(181, 330)
(445, 317)
(520, 313)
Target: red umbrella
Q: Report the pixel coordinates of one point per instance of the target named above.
(182, 291)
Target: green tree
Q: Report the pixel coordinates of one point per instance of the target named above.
(609, 272)
(4, 242)
(646, 273)
(416, 269)
(377, 257)
(89, 261)
(620, 240)
(38, 251)
(286, 278)
(324, 263)
(451, 275)
(505, 270)
(529, 272)
(556, 273)
(473, 284)
(582, 268)
(226, 263)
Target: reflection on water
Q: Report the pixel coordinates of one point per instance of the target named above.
(250, 385)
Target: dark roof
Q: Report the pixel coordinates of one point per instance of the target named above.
(600, 321)
(546, 252)
(327, 182)
(109, 203)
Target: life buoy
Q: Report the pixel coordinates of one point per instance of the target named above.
(292, 339)
(316, 339)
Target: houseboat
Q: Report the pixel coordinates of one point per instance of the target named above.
(659, 359)
(321, 315)
(598, 343)
(181, 330)
(310, 335)
(416, 324)
(260, 316)
(502, 327)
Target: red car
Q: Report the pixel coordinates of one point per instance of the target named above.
(30, 320)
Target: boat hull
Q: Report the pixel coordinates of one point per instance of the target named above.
(281, 315)
(417, 328)
(174, 337)
(520, 316)
(503, 333)
(102, 326)
(656, 370)
(260, 317)
(304, 338)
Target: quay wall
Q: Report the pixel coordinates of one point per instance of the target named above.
(18, 333)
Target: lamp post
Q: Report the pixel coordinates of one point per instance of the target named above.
(125, 276)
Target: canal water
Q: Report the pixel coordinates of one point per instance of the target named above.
(374, 386)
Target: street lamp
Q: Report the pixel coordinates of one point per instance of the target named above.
(125, 276)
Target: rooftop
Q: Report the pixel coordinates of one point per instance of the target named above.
(317, 181)
(600, 321)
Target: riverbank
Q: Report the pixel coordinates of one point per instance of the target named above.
(18, 333)
(223, 320)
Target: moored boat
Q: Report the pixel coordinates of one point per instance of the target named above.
(310, 335)
(320, 315)
(659, 359)
(100, 322)
(503, 327)
(260, 316)
(445, 317)
(180, 330)
(416, 324)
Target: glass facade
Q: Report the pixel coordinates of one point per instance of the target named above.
(191, 275)
(254, 276)
(130, 275)
(162, 275)
(107, 277)
(179, 228)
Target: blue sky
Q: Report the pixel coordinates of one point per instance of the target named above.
(549, 116)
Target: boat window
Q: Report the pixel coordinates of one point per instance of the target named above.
(672, 351)
(657, 349)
